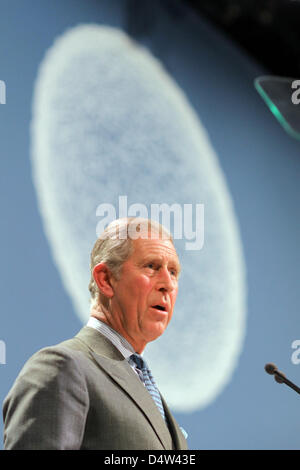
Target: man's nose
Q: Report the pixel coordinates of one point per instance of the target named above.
(165, 280)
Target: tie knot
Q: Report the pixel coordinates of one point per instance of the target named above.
(138, 360)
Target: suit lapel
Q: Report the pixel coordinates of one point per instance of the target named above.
(116, 366)
(178, 437)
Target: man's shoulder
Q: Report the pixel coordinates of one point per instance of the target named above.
(71, 360)
(49, 381)
(60, 353)
(49, 361)
(51, 367)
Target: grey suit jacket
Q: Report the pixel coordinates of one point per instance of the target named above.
(83, 394)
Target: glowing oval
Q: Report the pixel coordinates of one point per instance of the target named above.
(109, 121)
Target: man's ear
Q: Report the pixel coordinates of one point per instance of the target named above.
(102, 276)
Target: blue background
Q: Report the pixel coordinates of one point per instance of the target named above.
(262, 167)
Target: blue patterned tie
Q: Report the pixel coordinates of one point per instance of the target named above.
(148, 380)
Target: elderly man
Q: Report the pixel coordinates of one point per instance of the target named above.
(95, 391)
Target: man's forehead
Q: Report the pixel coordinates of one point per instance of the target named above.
(154, 247)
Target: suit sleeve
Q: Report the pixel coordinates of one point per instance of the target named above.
(48, 403)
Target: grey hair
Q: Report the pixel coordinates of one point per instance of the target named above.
(115, 246)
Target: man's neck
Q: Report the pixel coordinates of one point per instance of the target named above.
(102, 315)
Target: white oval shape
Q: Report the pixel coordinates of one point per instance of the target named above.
(109, 121)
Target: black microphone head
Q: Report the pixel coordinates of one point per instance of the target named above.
(270, 368)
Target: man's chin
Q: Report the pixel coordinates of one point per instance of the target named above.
(155, 331)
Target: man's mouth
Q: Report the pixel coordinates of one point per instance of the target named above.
(159, 307)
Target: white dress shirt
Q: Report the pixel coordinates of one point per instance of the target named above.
(115, 338)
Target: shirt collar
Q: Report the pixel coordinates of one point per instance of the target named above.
(115, 338)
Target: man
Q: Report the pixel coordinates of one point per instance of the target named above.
(95, 391)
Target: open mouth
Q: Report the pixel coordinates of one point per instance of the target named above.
(159, 307)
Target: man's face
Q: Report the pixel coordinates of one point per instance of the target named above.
(145, 295)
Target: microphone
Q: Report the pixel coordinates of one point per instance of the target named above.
(271, 369)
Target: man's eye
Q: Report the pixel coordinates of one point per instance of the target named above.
(150, 265)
